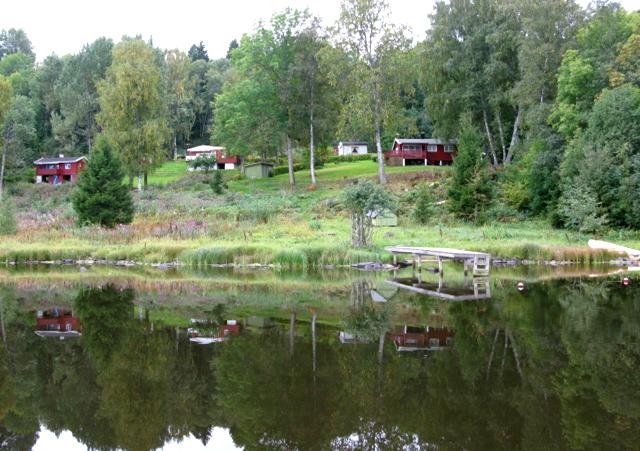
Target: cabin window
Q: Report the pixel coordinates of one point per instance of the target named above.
(449, 148)
(355, 150)
(432, 148)
(434, 342)
(67, 165)
(411, 147)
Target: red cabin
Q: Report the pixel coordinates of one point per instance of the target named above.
(59, 170)
(421, 338)
(407, 152)
(223, 161)
(58, 323)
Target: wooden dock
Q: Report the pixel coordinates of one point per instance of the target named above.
(480, 262)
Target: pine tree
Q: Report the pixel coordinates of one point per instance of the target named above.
(217, 183)
(100, 196)
(470, 189)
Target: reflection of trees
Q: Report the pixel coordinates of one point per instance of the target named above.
(123, 385)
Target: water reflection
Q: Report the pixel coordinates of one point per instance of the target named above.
(57, 323)
(553, 367)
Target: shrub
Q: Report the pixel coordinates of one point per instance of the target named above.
(424, 207)
(100, 196)
(360, 199)
(206, 163)
(217, 183)
(8, 223)
(580, 209)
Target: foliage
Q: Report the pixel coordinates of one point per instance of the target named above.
(361, 199)
(8, 222)
(15, 41)
(204, 162)
(470, 190)
(180, 94)
(133, 113)
(580, 209)
(198, 52)
(217, 183)
(100, 196)
(19, 133)
(424, 207)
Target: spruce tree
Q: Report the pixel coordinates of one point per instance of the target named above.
(470, 189)
(100, 196)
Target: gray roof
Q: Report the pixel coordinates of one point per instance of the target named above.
(423, 141)
(353, 143)
(54, 160)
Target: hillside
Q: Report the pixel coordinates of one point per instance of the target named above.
(261, 221)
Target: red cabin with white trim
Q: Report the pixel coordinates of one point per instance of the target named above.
(58, 170)
(407, 152)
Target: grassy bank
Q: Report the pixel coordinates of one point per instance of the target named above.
(264, 222)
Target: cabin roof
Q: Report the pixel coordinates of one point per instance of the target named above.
(423, 141)
(259, 163)
(54, 160)
(353, 143)
(204, 148)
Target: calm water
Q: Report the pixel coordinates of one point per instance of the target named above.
(112, 360)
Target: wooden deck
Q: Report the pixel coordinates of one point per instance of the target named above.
(480, 261)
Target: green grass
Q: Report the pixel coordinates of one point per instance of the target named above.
(263, 221)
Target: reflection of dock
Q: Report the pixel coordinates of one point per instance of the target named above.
(481, 289)
(478, 261)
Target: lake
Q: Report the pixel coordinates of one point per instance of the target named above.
(141, 359)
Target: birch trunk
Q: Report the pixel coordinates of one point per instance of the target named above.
(502, 143)
(487, 130)
(139, 183)
(381, 173)
(292, 178)
(514, 136)
(175, 146)
(4, 155)
(312, 162)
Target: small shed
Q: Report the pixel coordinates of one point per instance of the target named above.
(383, 218)
(261, 170)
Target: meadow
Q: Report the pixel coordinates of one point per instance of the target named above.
(180, 219)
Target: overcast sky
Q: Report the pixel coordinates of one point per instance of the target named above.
(64, 26)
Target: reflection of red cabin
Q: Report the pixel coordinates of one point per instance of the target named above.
(59, 170)
(421, 338)
(229, 327)
(57, 322)
(408, 152)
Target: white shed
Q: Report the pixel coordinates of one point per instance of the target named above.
(352, 148)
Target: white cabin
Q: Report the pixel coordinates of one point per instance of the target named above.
(352, 148)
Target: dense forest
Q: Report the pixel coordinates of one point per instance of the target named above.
(543, 96)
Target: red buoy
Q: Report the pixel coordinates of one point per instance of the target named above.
(626, 281)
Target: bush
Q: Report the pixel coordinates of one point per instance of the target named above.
(360, 199)
(580, 209)
(285, 169)
(100, 196)
(206, 163)
(424, 207)
(8, 223)
(217, 183)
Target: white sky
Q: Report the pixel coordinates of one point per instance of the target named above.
(220, 441)
(64, 26)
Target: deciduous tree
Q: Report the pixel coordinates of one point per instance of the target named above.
(133, 112)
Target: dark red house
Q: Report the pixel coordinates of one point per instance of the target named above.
(428, 338)
(58, 170)
(58, 323)
(407, 152)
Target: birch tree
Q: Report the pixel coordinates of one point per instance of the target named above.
(373, 44)
(133, 113)
(180, 95)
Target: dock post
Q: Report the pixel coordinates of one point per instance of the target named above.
(419, 263)
(440, 269)
(395, 260)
